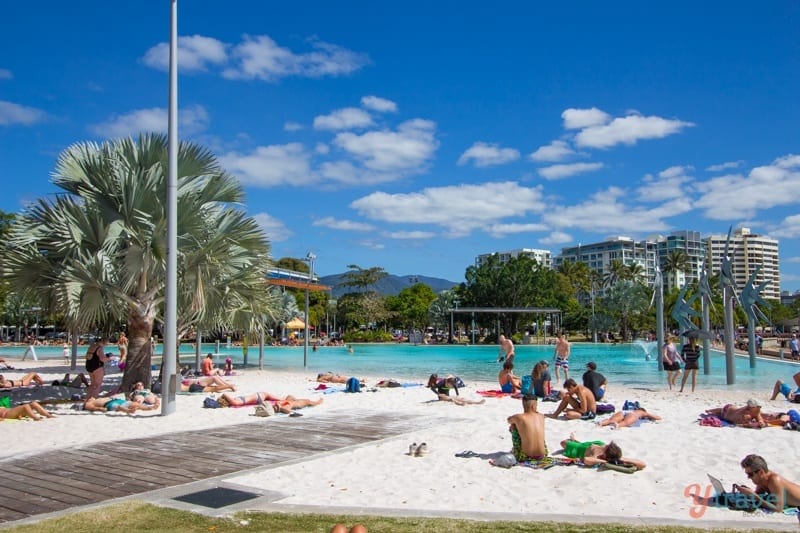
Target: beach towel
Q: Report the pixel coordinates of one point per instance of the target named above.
(495, 393)
(5, 401)
(548, 462)
(714, 421)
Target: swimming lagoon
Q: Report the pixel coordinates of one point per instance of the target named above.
(624, 364)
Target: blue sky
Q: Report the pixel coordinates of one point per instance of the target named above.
(415, 136)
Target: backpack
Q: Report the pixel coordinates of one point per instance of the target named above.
(527, 386)
(353, 385)
(211, 403)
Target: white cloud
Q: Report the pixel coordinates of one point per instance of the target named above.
(191, 121)
(789, 228)
(381, 105)
(671, 183)
(485, 154)
(628, 130)
(344, 225)
(576, 119)
(6, 74)
(502, 230)
(458, 208)
(557, 237)
(274, 228)
(410, 235)
(343, 119)
(555, 151)
(372, 245)
(11, 113)
(736, 196)
(557, 172)
(605, 212)
(260, 57)
(794, 259)
(725, 166)
(322, 149)
(284, 165)
(292, 126)
(195, 54)
(389, 154)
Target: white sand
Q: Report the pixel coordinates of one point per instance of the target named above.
(381, 475)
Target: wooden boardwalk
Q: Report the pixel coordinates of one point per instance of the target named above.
(65, 478)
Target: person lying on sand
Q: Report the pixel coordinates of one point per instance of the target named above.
(24, 381)
(114, 404)
(206, 384)
(748, 416)
(330, 377)
(76, 383)
(577, 401)
(5, 364)
(786, 390)
(285, 405)
(623, 419)
(597, 452)
(143, 396)
(31, 410)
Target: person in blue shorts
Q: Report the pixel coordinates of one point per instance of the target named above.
(786, 389)
(110, 403)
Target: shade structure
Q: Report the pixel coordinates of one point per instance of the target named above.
(296, 323)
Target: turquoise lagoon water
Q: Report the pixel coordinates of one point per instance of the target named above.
(626, 364)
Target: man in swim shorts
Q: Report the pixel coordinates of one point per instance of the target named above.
(527, 432)
(561, 354)
(506, 350)
(576, 402)
(786, 390)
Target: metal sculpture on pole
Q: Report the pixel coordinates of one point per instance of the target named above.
(728, 283)
(704, 289)
(658, 298)
(751, 295)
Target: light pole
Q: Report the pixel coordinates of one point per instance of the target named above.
(310, 257)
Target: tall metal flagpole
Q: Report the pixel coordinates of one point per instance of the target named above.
(168, 361)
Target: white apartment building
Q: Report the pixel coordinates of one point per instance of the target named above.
(543, 257)
(748, 251)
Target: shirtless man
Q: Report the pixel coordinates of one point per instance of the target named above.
(748, 416)
(786, 390)
(508, 381)
(561, 355)
(596, 452)
(578, 401)
(623, 420)
(330, 377)
(506, 350)
(207, 366)
(24, 381)
(527, 432)
(772, 491)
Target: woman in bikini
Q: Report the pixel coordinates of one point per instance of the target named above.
(623, 419)
(144, 396)
(32, 410)
(597, 452)
(748, 416)
(206, 384)
(24, 381)
(283, 405)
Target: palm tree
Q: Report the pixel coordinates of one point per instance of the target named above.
(675, 262)
(634, 272)
(97, 252)
(616, 272)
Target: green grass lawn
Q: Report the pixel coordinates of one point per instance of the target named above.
(135, 516)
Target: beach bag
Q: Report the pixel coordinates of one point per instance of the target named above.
(460, 383)
(527, 386)
(211, 403)
(155, 387)
(5, 401)
(794, 416)
(265, 409)
(353, 385)
(605, 408)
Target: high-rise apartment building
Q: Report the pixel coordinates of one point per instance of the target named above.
(748, 251)
(691, 243)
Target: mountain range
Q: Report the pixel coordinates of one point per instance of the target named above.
(391, 285)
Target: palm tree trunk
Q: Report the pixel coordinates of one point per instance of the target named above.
(140, 352)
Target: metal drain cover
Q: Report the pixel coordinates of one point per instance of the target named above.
(217, 497)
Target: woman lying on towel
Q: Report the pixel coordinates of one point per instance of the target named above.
(109, 403)
(206, 384)
(31, 410)
(748, 416)
(622, 419)
(330, 377)
(598, 453)
(24, 381)
(286, 405)
(143, 396)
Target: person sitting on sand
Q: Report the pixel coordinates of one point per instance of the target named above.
(577, 401)
(206, 384)
(207, 366)
(748, 416)
(110, 403)
(76, 383)
(623, 419)
(508, 381)
(786, 390)
(31, 410)
(143, 396)
(285, 405)
(441, 387)
(540, 377)
(24, 381)
(597, 452)
(330, 377)
(527, 432)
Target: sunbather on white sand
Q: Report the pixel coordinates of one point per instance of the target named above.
(206, 384)
(622, 419)
(114, 404)
(143, 396)
(24, 381)
(286, 405)
(31, 410)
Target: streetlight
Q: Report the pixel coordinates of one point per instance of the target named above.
(310, 257)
